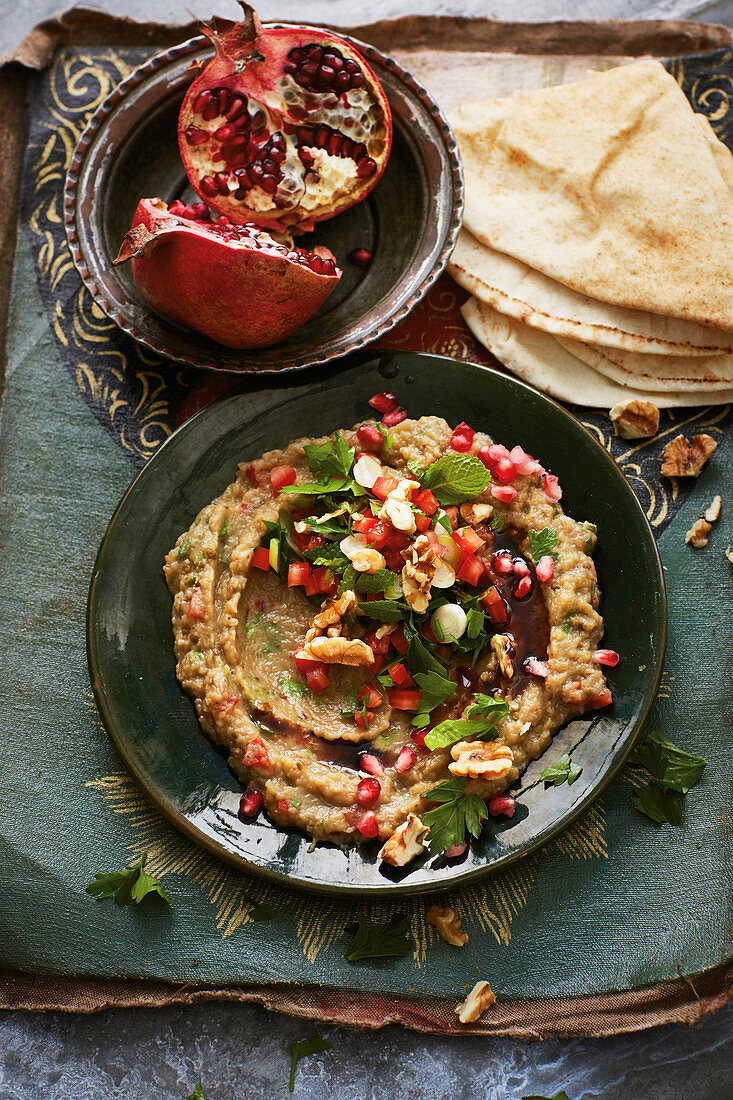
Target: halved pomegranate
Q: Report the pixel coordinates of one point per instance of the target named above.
(233, 283)
(285, 126)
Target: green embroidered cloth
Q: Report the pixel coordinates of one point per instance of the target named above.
(615, 903)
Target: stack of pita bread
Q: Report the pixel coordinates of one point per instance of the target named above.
(598, 240)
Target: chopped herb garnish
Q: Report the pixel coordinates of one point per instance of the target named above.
(497, 522)
(563, 770)
(452, 730)
(224, 529)
(561, 1095)
(198, 1093)
(415, 469)
(589, 545)
(317, 488)
(457, 815)
(329, 555)
(453, 479)
(183, 549)
(380, 941)
(671, 767)
(542, 543)
(292, 688)
(375, 582)
(313, 1044)
(660, 804)
(130, 885)
(491, 707)
(387, 611)
(332, 459)
(348, 581)
(387, 438)
(641, 668)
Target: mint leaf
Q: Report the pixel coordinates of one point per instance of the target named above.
(542, 543)
(415, 469)
(313, 1044)
(348, 581)
(380, 941)
(452, 730)
(331, 555)
(453, 479)
(671, 767)
(388, 611)
(497, 522)
(198, 1093)
(316, 488)
(130, 885)
(457, 815)
(334, 458)
(375, 582)
(660, 804)
(561, 771)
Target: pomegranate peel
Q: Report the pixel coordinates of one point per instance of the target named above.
(285, 126)
(233, 283)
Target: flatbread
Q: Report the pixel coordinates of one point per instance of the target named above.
(700, 376)
(537, 358)
(610, 186)
(513, 288)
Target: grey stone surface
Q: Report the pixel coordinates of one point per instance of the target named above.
(242, 1051)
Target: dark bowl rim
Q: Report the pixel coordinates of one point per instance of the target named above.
(195, 45)
(182, 823)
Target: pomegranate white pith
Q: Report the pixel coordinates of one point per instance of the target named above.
(285, 126)
(233, 283)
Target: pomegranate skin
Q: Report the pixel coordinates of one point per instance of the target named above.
(200, 274)
(285, 126)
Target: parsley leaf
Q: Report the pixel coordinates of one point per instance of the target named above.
(660, 804)
(313, 1044)
(453, 479)
(563, 769)
(317, 488)
(131, 885)
(671, 767)
(457, 814)
(333, 458)
(452, 730)
(492, 707)
(198, 1093)
(542, 543)
(380, 941)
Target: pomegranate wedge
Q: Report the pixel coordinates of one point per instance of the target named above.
(233, 283)
(285, 126)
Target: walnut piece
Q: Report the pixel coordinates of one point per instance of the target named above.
(504, 650)
(481, 759)
(475, 513)
(448, 924)
(697, 535)
(421, 561)
(334, 610)
(729, 554)
(712, 512)
(635, 419)
(339, 651)
(478, 1000)
(683, 459)
(406, 842)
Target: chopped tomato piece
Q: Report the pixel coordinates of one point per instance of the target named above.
(472, 570)
(317, 679)
(255, 754)
(468, 539)
(377, 645)
(397, 540)
(305, 664)
(370, 696)
(363, 720)
(325, 581)
(426, 502)
(402, 699)
(283, 805)
(383, 486)
(261, 558)
(494, 604)
(452, 513)
(401, 675)
(228, 703)
(398, 640)
(379, 663)
(377, 534)
(280, 476)
(197, 605)
(298, 573)
(422, 522)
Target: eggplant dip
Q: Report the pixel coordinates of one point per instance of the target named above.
(384, 626)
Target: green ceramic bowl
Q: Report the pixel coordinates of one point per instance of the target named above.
(153, 723)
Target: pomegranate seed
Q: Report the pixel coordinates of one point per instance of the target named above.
(602, 699)
(367, 824)
(250, 802)
(524, 463)
(505, 470)
(520, 567)
(370, 763)
(366, 167)
(455, 851)
(545, 569)
(209, 187)
(504, 493)
(418, 737)
(502, 806)
(395, 417)
(370, 433)
(368, 792)
(605, 657)
(360, 257)
(551, 487)
(384, 402)
(537, 668)
(460, 443)
(405, 760)
(484, 456)
(503, 562)
(523, 588)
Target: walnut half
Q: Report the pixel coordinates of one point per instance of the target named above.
(635, 419)
(448, 924)
(683, 459)
(481, 759)
(478, 1000)
(406, 842)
